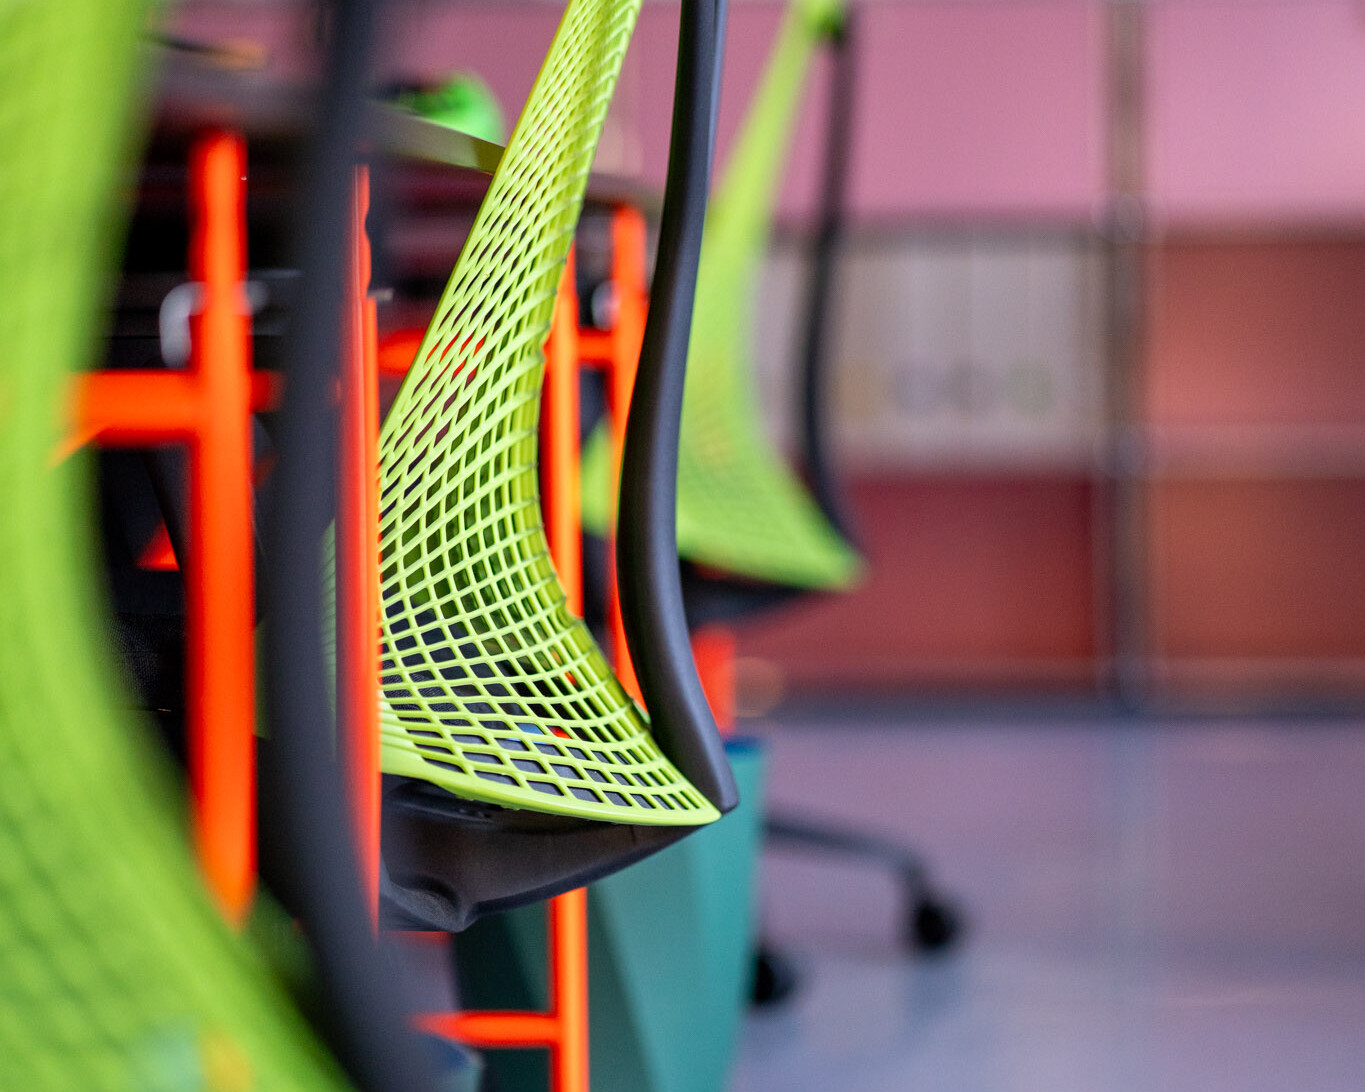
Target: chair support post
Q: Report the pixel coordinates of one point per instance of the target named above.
(219, 575)
(357, 551)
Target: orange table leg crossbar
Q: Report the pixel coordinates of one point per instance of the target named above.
(563, 1029)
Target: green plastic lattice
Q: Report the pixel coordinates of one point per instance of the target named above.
(116, 973)
(741, 509)
(491, 688)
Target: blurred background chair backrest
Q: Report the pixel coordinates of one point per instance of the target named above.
(741, 509)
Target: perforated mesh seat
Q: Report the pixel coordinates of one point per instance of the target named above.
(116, 974)
(741, 509)
(492, 690)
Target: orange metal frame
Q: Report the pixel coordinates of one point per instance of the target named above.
(563, 1029)
(208, 407)
(357, 551)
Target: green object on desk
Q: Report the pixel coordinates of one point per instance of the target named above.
(463, 102)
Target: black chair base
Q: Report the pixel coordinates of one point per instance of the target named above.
(930, 924)
(448, 861)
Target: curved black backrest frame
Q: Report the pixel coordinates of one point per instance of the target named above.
(647, 545)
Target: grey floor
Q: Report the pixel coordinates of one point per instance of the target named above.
(1155, 908)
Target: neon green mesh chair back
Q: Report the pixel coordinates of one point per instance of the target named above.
(491, 688)
(116, 974)
(741, 509)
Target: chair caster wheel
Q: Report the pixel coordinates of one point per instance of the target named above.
(933, 926)
(775, 977)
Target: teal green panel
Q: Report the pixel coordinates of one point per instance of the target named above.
(671, 955)
(670, 951)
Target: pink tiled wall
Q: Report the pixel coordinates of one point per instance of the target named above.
(1256, 110)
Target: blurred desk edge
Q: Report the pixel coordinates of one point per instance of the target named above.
(192, 96)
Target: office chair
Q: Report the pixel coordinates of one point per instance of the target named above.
(116, 971)
(752, 534)
(516, 765)
(749, 532)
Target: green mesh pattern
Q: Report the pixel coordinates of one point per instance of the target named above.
(740, 507)
(116, 974)
(491, 688)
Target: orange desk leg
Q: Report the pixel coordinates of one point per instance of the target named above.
(627, 334)
(357, 552)
(219, 578)
(567, 924)
(563, 1030)
(568, 961)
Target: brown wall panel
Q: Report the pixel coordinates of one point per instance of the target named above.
(972, 581)
(1268, 569)
(1269, 332)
